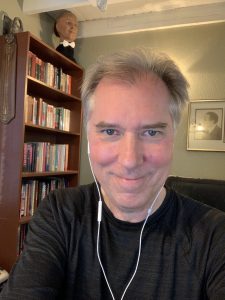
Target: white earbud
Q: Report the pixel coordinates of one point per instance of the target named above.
(88, 148)
(99, 218)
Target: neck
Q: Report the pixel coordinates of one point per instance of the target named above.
(61, 40)
(134, 215)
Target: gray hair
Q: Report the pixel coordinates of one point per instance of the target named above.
(131, 65)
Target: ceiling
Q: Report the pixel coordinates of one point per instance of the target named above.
(123, 16)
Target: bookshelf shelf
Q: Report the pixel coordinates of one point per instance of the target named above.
(51, 130)
(44, 174)
(57, 128)
(41, 89)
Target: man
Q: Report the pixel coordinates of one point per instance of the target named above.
(211, 130)
(125, 236)
(66, 28)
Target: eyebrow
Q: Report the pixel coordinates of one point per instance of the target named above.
(105, 124)
(146, 126)
(155, 125)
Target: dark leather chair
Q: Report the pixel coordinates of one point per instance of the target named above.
(208, 191)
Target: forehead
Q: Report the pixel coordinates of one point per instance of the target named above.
(145, 98)
(149, 87)
(67, 17)
(207, 117)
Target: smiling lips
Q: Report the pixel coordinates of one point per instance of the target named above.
(127, 182)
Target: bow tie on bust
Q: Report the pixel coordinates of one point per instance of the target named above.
(66, 44)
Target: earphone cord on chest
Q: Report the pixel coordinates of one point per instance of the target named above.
(140, 243)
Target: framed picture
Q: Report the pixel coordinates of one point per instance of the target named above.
(206, 125)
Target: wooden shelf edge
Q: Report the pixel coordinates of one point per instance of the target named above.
(48, 174)
(55, 90)
(38, 127)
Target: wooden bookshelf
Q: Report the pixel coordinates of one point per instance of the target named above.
(17, 132)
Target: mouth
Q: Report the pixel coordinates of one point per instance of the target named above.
(129, 182)
(129, 177)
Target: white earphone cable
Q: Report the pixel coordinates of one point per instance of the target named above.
(139, 249)
(100, 262)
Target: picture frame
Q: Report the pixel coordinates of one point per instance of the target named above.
(206, 125)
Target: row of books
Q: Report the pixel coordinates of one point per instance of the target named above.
(22, 232)
(48, 73)
(34, 191)
(45, 157)
(39, 112)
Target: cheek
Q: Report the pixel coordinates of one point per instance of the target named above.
(161, 155)
(101, 155)
(67, 27)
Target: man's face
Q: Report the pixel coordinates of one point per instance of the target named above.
(67, 27)
(208, 122)
(131, 135)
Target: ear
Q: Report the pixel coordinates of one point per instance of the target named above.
(55, 30)
(57, 27)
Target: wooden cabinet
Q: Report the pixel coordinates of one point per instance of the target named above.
(17, 132)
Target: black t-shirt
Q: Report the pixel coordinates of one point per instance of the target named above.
(182, 255)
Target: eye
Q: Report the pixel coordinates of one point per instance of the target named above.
(109, 131)
(69, 23)
(151, 132)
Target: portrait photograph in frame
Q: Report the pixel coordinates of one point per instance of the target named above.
(206, 125)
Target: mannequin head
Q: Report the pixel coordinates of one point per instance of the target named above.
(66, 27)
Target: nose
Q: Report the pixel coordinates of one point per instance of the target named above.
(130, 152)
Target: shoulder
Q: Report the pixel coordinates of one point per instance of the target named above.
(197, 228)
(59, 47)
(198, 218)
(69, 201)
(73, 193)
